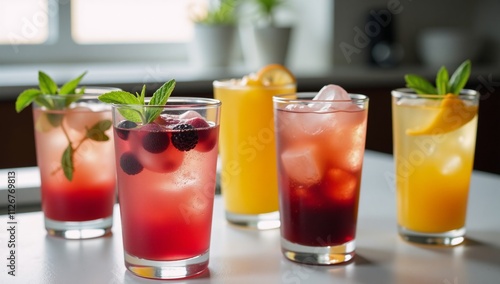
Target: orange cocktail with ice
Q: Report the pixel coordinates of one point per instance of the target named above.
(320, 148)
(247, 146)
(434, 141)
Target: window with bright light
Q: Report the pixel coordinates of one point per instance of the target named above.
(24, 21)
(131, 21)
(51, 31)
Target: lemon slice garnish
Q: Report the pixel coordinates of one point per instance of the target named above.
(274, 75)
(453, 114)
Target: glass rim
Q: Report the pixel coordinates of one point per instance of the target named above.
(410, 93)
(231, 84)
(177, 103)
(306, 97)
(90, 92)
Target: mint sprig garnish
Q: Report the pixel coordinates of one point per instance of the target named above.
(444, 83)
(65, 95)
(140, 115)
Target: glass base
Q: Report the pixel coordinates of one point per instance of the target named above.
(257, 221)
(449, 238)
(175, 269)
(318, 255)
(79, 230)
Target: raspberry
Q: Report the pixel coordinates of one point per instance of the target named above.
(155, 140)
(186, 139)
(122, 128)
(129, 164)
(207, 137)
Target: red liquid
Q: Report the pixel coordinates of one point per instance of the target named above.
(166, 208)
(315, 220)
(320, 158)
(78, 203)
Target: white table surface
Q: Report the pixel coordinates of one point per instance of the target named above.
(248, 256)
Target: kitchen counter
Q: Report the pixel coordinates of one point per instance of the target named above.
(248, 256)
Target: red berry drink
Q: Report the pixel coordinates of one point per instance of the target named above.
(74, 148)
(320, 153)
(166, 173)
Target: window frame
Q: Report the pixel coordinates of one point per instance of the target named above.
(60, 47)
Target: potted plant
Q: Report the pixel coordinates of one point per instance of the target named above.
(214, 30)
(265, 41)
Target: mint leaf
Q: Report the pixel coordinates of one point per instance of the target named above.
(25, 98)
(70, 87)
(160, 97)
(55, 119)
(119, 97)
(96, 132)
(460, 77)
(419, 84)
(142, 95)
(442, 81)
(46, 84)
(67, 162)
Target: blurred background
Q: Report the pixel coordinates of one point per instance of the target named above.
(365, 46)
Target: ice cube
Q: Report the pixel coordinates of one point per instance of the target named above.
(302, 164)
(342, 185)
(451, 165)
(332, 92)
(189, 114)
(80, 118)
(342, 100)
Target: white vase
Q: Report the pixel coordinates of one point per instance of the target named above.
(212, 45)
(265, 45)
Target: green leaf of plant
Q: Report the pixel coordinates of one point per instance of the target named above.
(119, 97)
(160, 97)
(55, 119)
(70, 87)
(46, 84)
(72, 98)
(96, 132)
(67, 162)
(419, 84)
(442, 81)
(142, 95)
(48, 103)
(25, 98)
(460, 77)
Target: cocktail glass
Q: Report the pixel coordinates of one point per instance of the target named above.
(434, 141)
(166, 184)
(249, 177)
(74, 149)
(320, 149)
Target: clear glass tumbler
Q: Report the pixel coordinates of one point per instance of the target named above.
(166, 184)
(434, 141)
(249, 177)
(74, 149)
(320, 149)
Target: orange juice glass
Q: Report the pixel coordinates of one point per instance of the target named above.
(247, 149)
(434, 166)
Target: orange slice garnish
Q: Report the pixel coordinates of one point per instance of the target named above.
(453, 114)
(274, 75)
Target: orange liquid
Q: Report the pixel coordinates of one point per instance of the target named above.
(432, 171)
(247, 148)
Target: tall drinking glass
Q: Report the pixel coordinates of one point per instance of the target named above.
(74, 149)
(249, 176)
(320, 149)
(166, 183)
(434, 141)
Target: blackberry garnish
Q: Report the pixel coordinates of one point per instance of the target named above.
(186, 139)
(129, 164)
(122, 128)
(155, 140)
